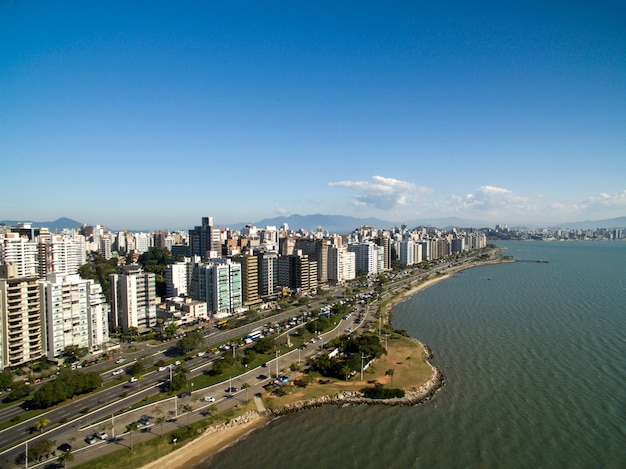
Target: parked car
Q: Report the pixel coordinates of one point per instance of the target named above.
(65, 447)
(103, 435)
(145, 419)
(90, 439)
(184, 394)
(232, 389)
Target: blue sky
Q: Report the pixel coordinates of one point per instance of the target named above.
(148, 115)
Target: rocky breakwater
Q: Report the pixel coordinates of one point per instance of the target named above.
(412, 397)
(242, 419)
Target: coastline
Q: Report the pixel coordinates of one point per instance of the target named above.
(216, 439)
(212, 441)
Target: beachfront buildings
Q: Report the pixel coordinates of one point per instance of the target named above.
(76, 314)
(133, 299)
(21, 317)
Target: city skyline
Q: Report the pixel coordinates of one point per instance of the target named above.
(130, 115)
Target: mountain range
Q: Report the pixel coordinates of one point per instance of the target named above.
(340, 224)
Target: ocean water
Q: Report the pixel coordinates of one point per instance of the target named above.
(534, 356)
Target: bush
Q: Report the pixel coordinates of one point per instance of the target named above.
(380, 392)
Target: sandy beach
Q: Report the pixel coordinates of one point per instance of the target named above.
(207, 444)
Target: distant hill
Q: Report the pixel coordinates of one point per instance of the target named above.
(53, 226)
(338, 224)
(341, 224)
(619, 222)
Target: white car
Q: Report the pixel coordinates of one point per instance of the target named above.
(162, 368)
(201, 354)
(120, 360)
(117, 372)
(208, 399)
(103, 435)
(132, 380)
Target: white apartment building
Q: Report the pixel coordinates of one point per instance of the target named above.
(133, 299)
(66, 303)
(20, 251)
(99, 311)
(143, 242)
(177, 278)
(341, 264)
(366, 257)
(65, 254)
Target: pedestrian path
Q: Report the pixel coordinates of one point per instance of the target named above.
(258, 402)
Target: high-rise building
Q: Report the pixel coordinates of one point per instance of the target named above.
(268, 274)
(298, 273)
(249, 278)
(66, 305)
(219, 284)
(341, 264)
(22, 253)
(133, 299)
(205, 240)
(21, 318)
(366, 257)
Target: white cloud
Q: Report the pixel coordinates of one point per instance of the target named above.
(383, 193)
(490, 200)
(280, 211)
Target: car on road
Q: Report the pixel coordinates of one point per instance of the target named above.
(132, 380)
(65, 447)
(261, 377)
(201, 354)
(103, 435)
(184, 394)
(117, 372)
(120, 360)
(90, 439)
(162, 368)
(232, 389)
(177, 362)
(145, 420)
(208, 399)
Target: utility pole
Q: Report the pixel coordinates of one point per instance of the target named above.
(362, 357)
(26, 454)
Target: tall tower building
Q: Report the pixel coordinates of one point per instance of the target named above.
(21, 252)
(249, 278)
(133, 298)
(21, 319)
(66, 299)
(205, 240)
(268, 274)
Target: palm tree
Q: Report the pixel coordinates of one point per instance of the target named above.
(65, 457)
(245, 386)
(188, 409)
(390, 373)
(131, 427)
(160, 420)
(41, 424)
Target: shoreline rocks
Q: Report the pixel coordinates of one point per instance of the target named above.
(423, 394)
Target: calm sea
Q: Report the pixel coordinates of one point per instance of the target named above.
(534, 356)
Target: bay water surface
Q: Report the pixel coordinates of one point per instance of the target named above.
(534, 356)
